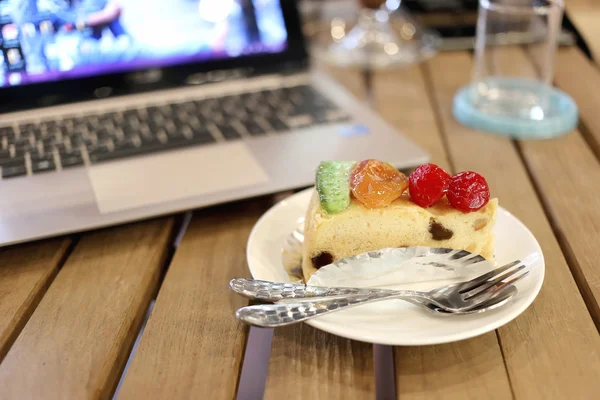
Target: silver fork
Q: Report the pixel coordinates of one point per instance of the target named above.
(290, 292)
(457, 297)
(279, 291)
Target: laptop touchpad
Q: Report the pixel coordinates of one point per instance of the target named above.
(171, 176)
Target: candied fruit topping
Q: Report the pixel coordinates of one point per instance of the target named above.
(428, 183)
(468, 191)
(376, 184)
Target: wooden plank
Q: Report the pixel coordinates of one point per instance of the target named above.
(467, 369)
(310, 364)
(576, 75)
(25, 273)
(549, 352)
(400, 97)
(352, 79)
(192, 345)
(77, 340)
(585, 15)
(568, 175)
(471, 369)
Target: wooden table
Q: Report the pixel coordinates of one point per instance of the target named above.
(71, 308)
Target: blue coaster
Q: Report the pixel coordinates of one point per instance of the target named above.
(560, 118)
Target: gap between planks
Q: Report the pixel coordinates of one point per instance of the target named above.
(66, 247)
(255, 364)
(178, 232)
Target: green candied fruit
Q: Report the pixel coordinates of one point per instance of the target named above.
(333, 185)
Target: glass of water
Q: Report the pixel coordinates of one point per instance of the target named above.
(504, 97)
(379, 36)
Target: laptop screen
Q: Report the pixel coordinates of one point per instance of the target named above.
(51, 40)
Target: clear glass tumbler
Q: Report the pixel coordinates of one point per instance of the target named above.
(501, 89)
(383, 36)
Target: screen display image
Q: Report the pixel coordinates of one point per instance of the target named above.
(50, 40)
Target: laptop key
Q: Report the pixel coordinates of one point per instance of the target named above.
(155, 113)
(183, 107)
(154, 125)
(277, 124)
(253, 128)
(7, 131)
(13, 169)
(201, 132)
(78, 139)
(4, 155)
(26, 127)
(103, 134)
(42, 163)
(130, 113)
(202, 139)
(71, 158)
(98, 153)
(48, 125)
(228, 131)
(18, 141)
(20, 151)
(37, 133)
(49, 147)
(124, 147)
(307, 109)
(30, 130)
(104, 119)
(64, 129)
(129, 130)
(166, 110)
(12, 159)
(48, 140)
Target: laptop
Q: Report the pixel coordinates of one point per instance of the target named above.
(116, 111)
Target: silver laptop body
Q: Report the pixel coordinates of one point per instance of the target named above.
(54, 196)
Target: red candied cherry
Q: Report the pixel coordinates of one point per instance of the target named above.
(428, 184)
(468, 191)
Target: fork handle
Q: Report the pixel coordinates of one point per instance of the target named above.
(274, 291)
(286, 313)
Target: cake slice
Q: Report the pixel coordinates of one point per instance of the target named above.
(357, 227)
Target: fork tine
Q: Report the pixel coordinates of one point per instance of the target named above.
(481, 279)
(488, 284)
(494, 291)
(498, 286)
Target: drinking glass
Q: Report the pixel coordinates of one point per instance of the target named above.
(500, 88)
(383, 36)
(504, 97)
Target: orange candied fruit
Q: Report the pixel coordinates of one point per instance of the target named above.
(376, 184)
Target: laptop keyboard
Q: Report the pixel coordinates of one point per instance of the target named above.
(74, 141)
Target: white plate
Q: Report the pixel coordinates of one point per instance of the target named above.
(395, 322)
